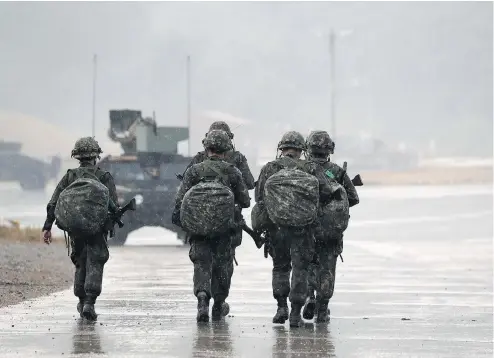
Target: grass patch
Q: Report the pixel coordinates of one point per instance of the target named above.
(14, 232)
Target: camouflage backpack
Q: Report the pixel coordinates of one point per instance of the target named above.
(291, 196)
(335, 215)
(208, 207)
(82, 207)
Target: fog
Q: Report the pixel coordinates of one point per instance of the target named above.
(405, 71)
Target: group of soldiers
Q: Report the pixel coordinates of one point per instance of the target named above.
(308, 252)
(293, 249)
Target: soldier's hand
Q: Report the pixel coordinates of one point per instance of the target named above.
(47, 236)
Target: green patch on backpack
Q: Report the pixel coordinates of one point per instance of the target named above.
(329, 174)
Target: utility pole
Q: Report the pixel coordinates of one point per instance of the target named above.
(95, 59)
(188, 101)
(332, 58)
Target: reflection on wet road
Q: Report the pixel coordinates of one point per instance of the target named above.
(408, 287)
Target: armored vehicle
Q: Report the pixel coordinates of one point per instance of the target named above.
(31, 173)
(146, 170)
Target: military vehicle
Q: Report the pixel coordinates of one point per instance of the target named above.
(31, 173)
(145, 171)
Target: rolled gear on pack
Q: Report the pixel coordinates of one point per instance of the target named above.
(82, 207)
(336, 214)
(291, 197)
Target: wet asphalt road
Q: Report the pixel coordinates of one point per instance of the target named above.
(416, 282)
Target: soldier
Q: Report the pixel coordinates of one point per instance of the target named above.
(240, 161)
(232, 156)
(330, 243)
(290, 245)
(89, 254)
(211, 255)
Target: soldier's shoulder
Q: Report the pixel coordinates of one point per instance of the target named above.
(228, 166)
(271, 164)
(238, 155)
(332, 165)
(104, 174)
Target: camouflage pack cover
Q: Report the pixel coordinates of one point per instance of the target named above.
(208, 209)
(82, 207)
(291, 197)
(336, 214)
(259, 217)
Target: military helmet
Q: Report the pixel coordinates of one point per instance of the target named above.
(320, 142)
(222, 126)
(217, 141)
(86, 148)
(292, 139)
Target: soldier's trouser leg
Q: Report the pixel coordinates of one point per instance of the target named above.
(79, 258)
(222, 268)
(313, 275)
(280, 252)
(235, 242)
(97, 257)
(201, 255)
(327, 272)
(302, 251)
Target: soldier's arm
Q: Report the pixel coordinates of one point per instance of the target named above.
(187, 183)
(243, 166)
(259, 192)
(351, 192)
(109, 182)
(240, 190)
(50, 208)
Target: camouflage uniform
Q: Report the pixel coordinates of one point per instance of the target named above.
(322, 270)
(288, 245)
(212, 256)
(88, 254)
(237, 159)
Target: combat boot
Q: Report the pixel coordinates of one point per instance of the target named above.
(88, 310)
(295, 317)
(202, 307)
(322, 313)
(310, 307)
(80, 306)
(220, 309)
(282, 313)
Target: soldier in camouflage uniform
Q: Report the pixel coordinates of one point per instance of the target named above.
(89, 254)
(232, 156)
(240, 161)
(212, 256)
(329, 245)
(290, 245)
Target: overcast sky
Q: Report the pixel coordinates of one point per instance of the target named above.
(406, 71)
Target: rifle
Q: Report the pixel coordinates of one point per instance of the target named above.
(357, 180)
(117, 213)
(258, 239)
